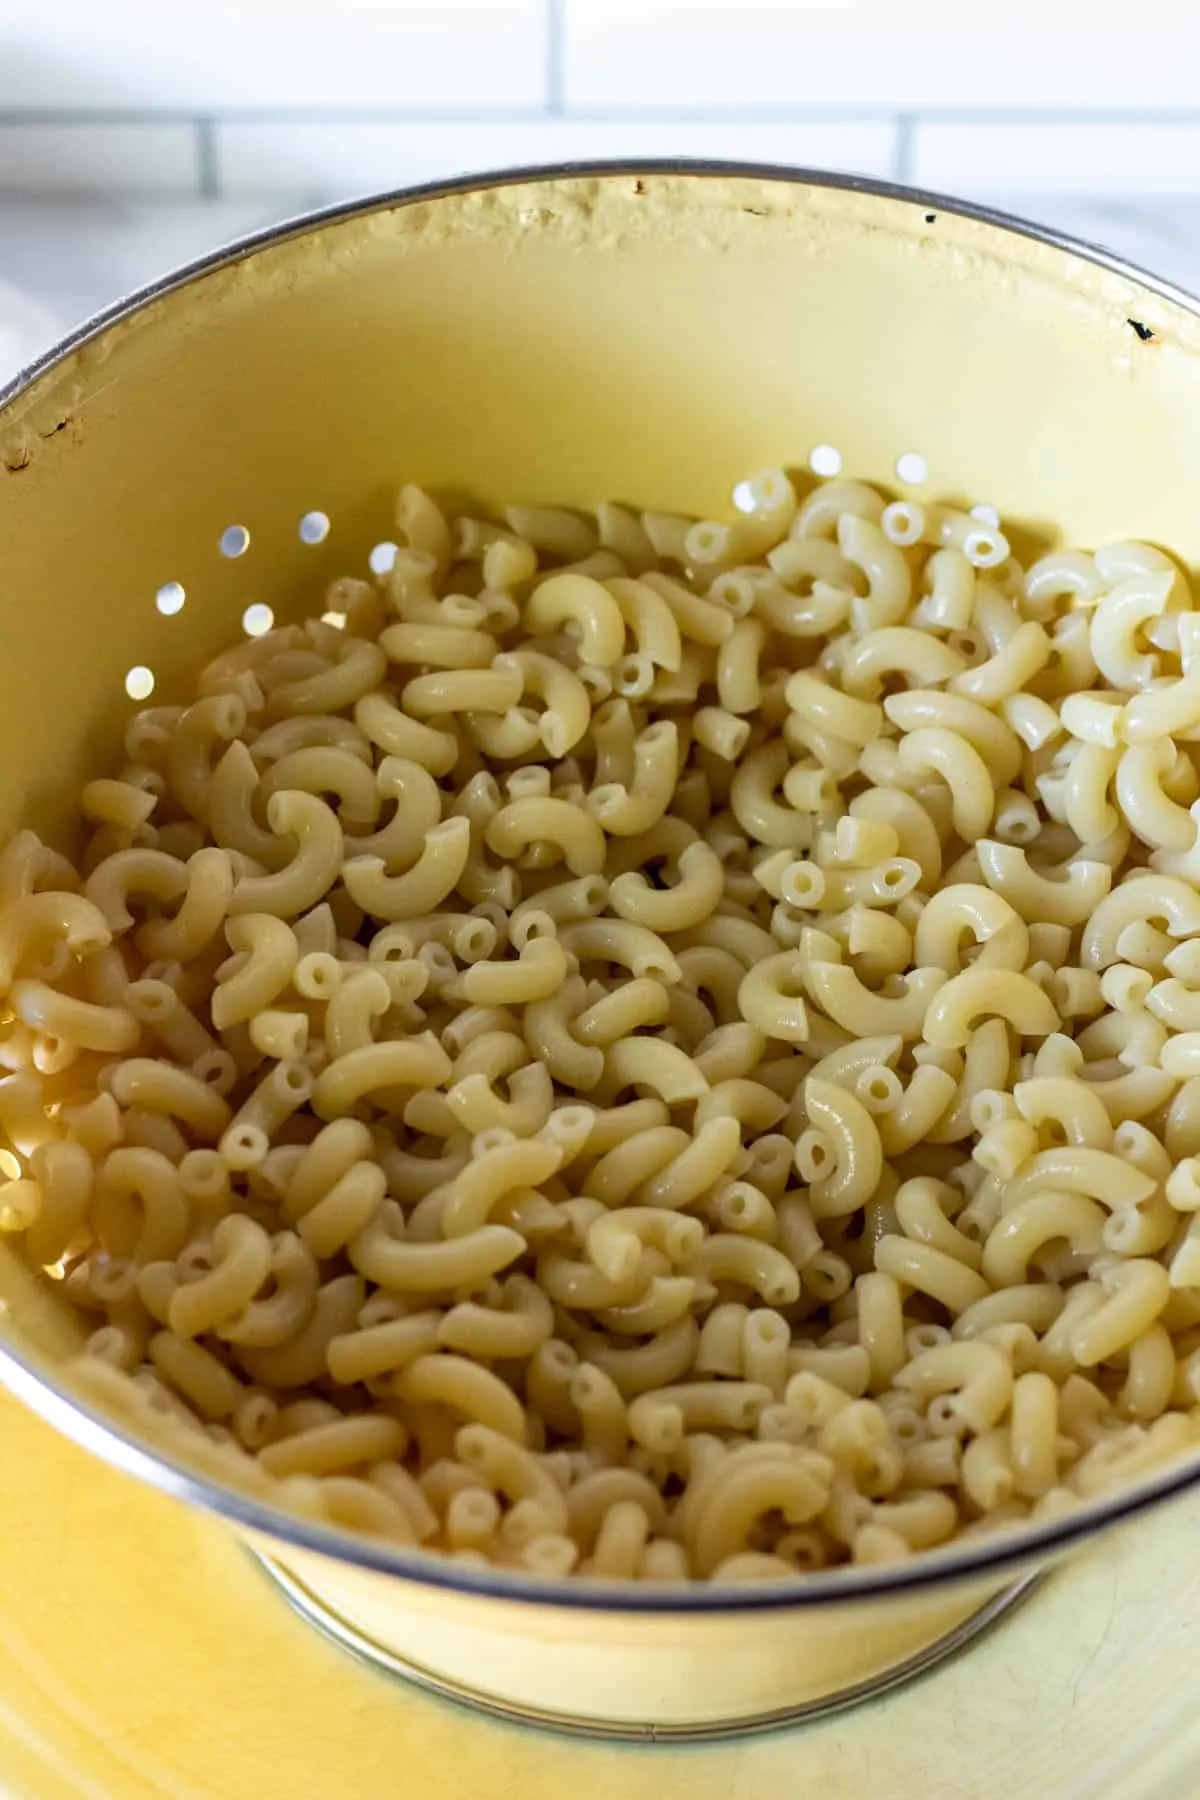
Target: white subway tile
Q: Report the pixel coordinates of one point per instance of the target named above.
(75, 256)
(95, 159)
(938, 53)
(1060, 158)
(283, 53)
(330, 160)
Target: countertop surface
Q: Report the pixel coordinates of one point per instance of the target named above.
(144, 1657)
(61, 261)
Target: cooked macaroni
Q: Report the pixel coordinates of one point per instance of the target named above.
(653, 1048)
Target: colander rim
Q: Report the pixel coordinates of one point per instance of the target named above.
(99, 1434)
(794, 175)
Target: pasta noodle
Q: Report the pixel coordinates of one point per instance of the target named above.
(656, 1049)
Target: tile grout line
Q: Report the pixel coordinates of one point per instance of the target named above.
(555, 107)
(904, 154)
(207, 159)
(555, 59)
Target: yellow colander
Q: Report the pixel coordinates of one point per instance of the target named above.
(235, 437)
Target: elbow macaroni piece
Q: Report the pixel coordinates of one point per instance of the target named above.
(705, 1080)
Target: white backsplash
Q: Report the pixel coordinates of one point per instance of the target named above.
(137, 135)
(300, 98)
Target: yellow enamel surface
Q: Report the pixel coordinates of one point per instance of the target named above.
(144, 1657)
(644, 338)
(636, 1667)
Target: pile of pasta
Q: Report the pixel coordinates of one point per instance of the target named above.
(642, 1047)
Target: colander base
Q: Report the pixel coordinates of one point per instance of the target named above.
(348, 1636)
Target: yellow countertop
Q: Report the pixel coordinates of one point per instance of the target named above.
(143, 1654)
